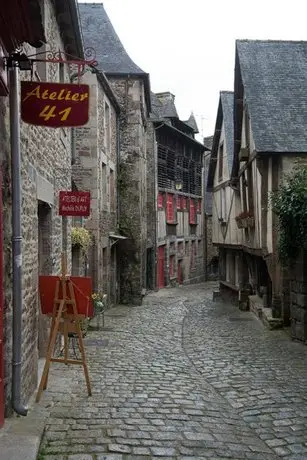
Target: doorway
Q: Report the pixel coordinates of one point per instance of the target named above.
(1, 313)
(179, 272)
(45, 265)
(149, 269)
(161, 267)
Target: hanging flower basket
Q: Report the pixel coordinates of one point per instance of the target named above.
(245, 219)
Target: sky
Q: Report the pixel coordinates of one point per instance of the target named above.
(188, 46)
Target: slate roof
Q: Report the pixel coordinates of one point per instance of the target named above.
(225, 114)
(99, 33)
(192, 123)
(208, 142)
(274, 77)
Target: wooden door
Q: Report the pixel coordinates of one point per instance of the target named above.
(1, 313)
(179, 272)
(161, 267)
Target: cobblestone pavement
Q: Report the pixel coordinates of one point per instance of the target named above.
(184, 378)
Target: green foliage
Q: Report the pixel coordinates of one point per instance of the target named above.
(81, 237)
(289, 202)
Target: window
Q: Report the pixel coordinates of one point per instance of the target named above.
(192, 212)
(199, 206)
(186, 248)
(178, 202)
(184, 203)
(170, 208)
(160, 200)
(171, 266)
(107, 127)
(223, 204)
(221, 154)
(112, 190)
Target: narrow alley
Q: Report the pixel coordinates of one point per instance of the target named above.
(180, 377)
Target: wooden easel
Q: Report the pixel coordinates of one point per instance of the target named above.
(65, 323)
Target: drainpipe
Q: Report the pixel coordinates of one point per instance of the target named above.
(18, 407)
(118, 163)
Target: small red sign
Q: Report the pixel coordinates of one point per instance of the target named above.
(54, 104)
(74, 204)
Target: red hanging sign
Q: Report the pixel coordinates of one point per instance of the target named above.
(54, 104)
(75, 204)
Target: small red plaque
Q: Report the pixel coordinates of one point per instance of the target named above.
(74, 204)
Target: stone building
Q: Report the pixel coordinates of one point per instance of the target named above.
(95, 169)
(180, 251)
(132, 89)
(45, 170)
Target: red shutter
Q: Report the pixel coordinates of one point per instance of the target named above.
(170, 208)
(184, 203)
(199, 206)
(160, 200)
(192, 211)
(178, 201)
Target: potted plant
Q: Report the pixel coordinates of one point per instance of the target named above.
(245, 219)
(100, 303)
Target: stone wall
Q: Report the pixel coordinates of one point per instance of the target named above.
(298, 298)
(45, 170)
(132, 188)
(95, 170)
(152, 192)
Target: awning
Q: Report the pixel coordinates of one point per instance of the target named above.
(113, 236)
(21, 21)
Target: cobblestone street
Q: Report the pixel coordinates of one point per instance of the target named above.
(180, 377)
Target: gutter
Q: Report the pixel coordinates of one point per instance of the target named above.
(75, 17)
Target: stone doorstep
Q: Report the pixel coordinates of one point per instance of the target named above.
(263, 313)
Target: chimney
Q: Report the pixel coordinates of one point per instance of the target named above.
(165, 97)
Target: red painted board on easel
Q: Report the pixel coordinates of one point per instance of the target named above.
(82, 289)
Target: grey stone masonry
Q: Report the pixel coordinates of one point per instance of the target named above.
(95, 170)
(298, 299)
(132, 187)
(45, 170)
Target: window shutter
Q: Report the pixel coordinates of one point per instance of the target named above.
(199, 206)
(192, 211)
(170, 208)
(184, 203)
(178, 200)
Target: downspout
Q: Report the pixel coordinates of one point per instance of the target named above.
(18, 407)
(118, 163)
